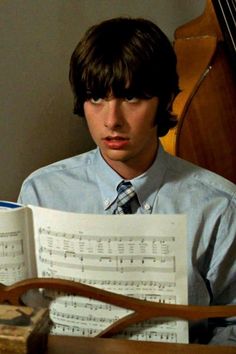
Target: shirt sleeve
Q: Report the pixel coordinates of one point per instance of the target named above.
(222, 276)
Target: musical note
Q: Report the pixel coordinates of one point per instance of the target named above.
(135, 265)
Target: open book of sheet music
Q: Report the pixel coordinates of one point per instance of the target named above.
(142, 256)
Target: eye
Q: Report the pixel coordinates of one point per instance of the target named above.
(131, 99)
(96, 100)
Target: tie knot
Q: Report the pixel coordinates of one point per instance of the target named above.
(126, 193)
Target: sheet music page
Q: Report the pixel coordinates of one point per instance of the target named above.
(14, 264)
(142, 256)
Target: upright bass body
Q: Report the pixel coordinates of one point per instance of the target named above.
(206, 131)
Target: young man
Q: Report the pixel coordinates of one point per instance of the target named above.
(123, 75)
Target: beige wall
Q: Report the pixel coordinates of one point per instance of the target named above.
(37, 37)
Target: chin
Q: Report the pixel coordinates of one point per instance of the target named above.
(117, 155)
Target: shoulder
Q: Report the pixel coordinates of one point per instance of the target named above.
(68, 168)
(200, 180)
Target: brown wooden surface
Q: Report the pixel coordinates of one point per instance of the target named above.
(82, 345)
(207, 134)
(206, 106)
(191, 73)
(142, 309)
(23, 330)
(206, 23)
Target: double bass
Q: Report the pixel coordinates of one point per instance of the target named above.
(206, 106)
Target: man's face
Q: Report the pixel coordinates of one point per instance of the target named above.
(124, 130)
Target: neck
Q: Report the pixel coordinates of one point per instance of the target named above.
(129, 172)
(134, 167)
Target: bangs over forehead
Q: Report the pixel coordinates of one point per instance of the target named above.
(123, 57)
(116, 61)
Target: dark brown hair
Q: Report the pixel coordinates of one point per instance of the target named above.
(128, 57)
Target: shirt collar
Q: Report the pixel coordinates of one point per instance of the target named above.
(146, 185)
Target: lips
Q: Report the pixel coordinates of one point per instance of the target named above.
(116, 142)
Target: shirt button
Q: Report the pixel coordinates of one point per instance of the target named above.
(147, 206)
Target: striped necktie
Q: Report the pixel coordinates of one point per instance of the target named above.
(125, 194)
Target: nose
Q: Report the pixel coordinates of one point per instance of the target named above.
(113, 118)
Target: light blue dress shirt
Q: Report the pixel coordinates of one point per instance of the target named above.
(86, 184)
